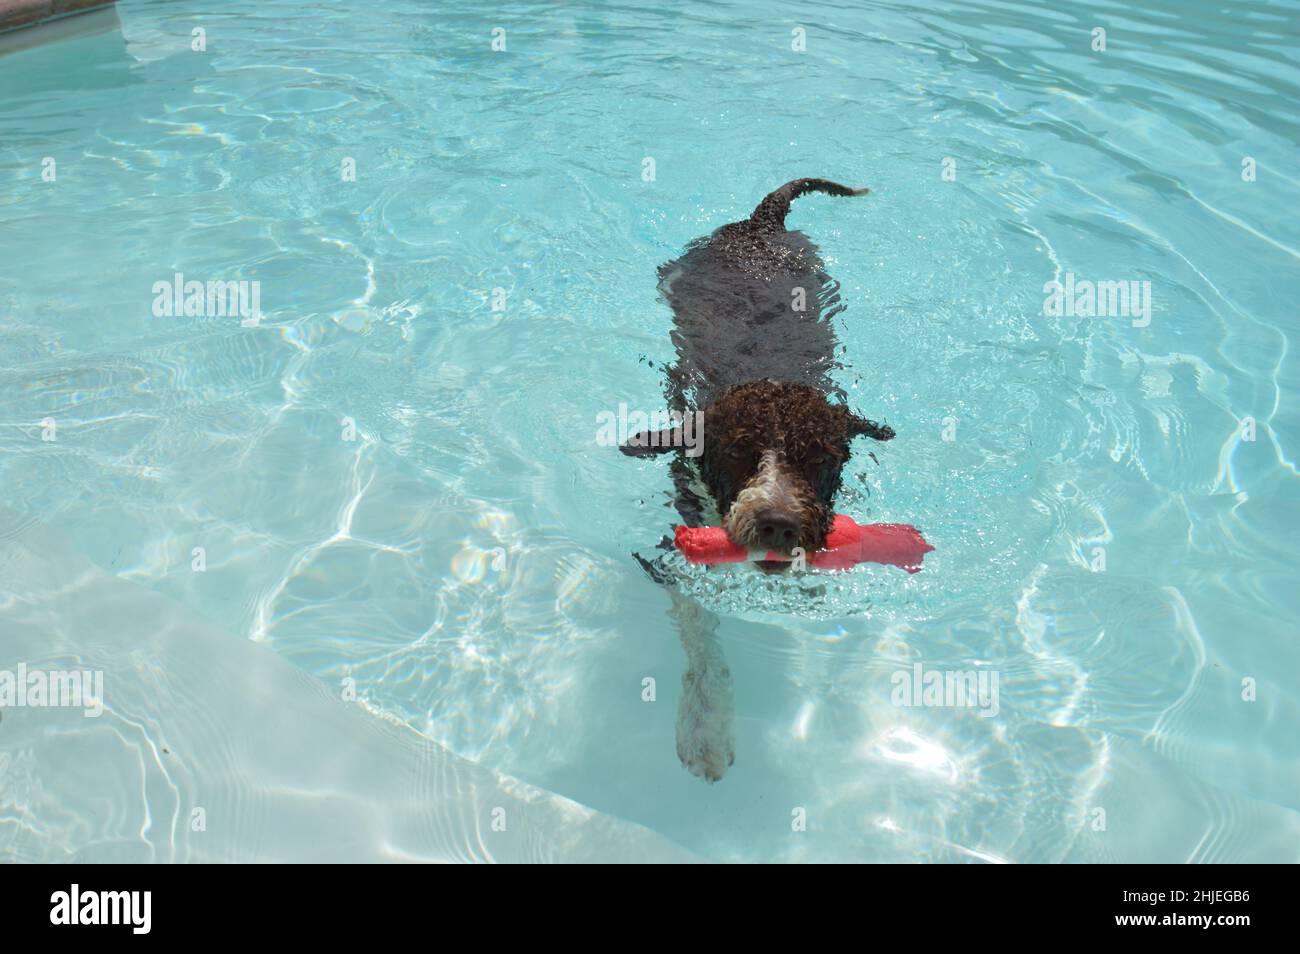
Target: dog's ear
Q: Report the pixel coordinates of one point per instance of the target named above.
(650, 443)
(860, 425)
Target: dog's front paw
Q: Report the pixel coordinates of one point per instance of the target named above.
(706, 741)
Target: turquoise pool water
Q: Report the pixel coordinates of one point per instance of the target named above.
(394, 477)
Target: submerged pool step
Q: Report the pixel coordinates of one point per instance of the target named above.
(193, 744)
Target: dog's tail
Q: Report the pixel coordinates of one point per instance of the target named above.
(771, 212)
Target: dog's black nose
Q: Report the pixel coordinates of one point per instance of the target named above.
(776, 529)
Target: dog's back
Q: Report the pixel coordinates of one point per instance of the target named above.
(752, 301)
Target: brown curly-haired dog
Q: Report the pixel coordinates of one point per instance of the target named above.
(752, 308)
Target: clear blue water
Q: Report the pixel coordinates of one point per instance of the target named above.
(466, 559)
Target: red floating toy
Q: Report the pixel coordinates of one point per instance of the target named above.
(848, 543)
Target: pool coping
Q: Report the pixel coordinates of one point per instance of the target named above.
(23, 14)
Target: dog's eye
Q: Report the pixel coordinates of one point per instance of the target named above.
(736, 452)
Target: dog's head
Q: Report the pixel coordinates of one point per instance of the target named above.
(773, 453)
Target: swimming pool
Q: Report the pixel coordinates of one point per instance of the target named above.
(393, 480)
